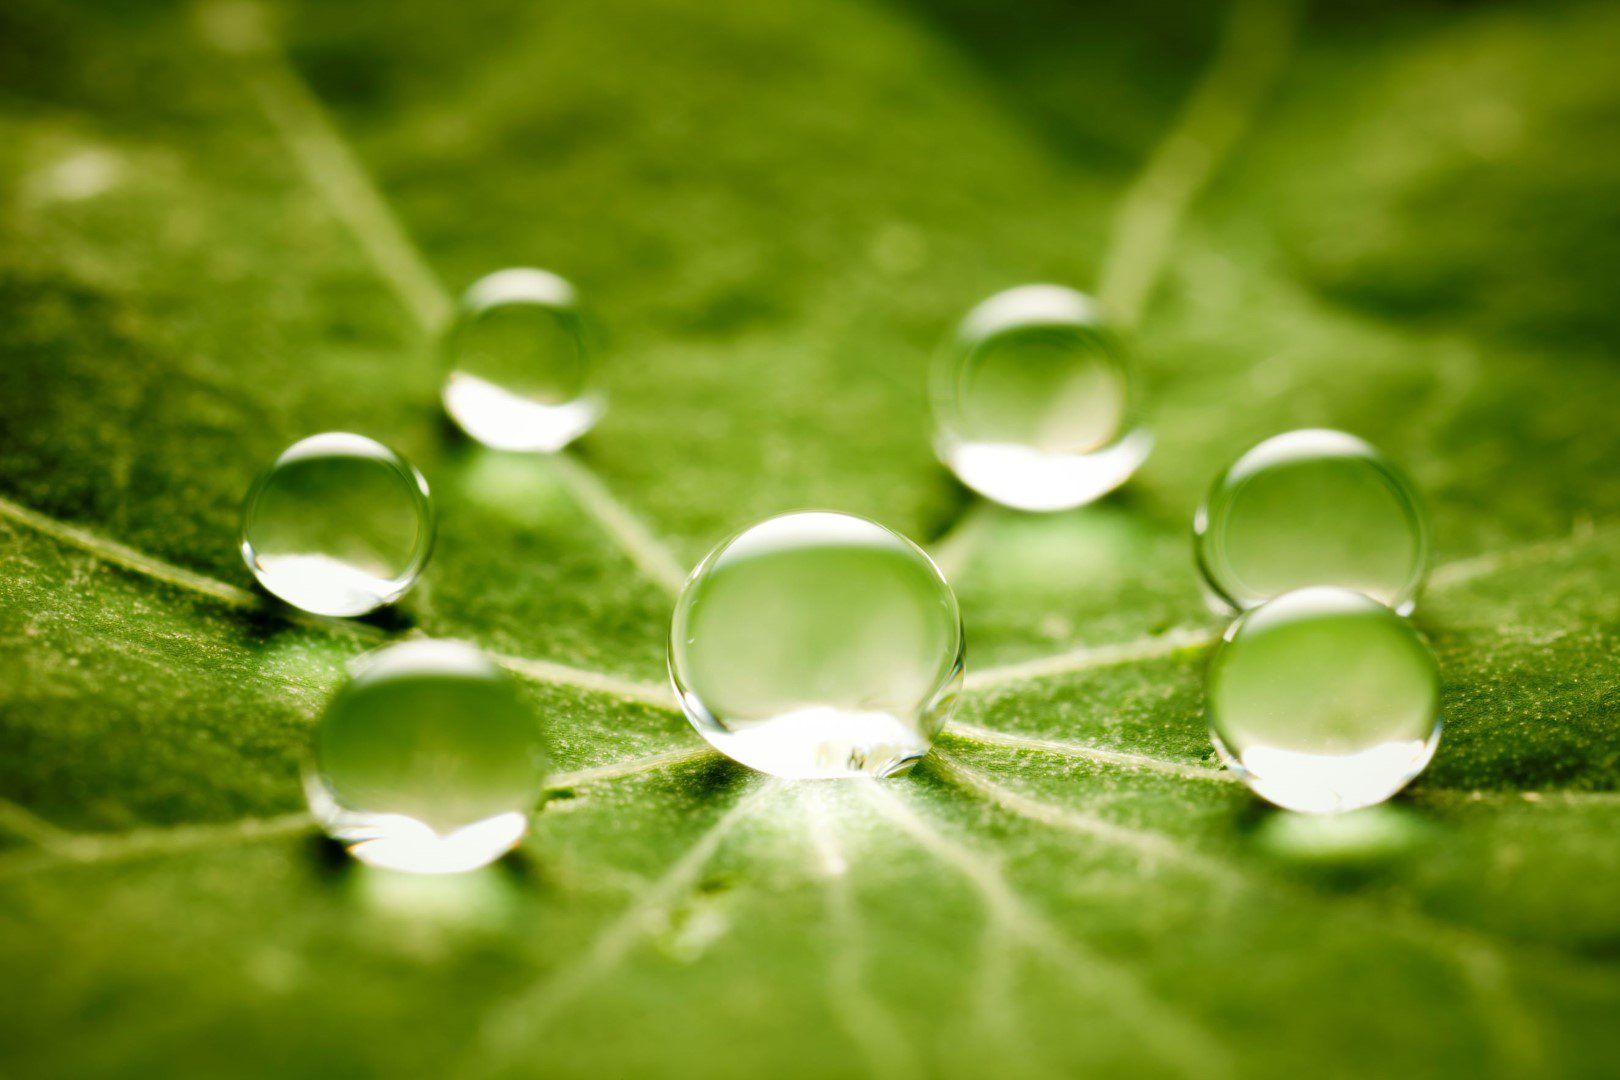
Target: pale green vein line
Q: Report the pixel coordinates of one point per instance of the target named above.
(1253, 51)
(1147, 845)
(27, 825)
(868, 1022)
(87, 848)
(953, 550)
(649, 554)
(618, 770)
(1184, 1043)
(1091, 656)
(1498, 799)
(111, 551)
(116, 554)
(651, 695)
(1477, 957)
(238, 29)
(992, 996)
(1463, 571)
(525, 1017)
(1123, 758)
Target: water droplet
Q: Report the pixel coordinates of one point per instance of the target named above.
(521, 364)
(1312, 507)
(1324, 700)
(817, 644)
(338, 525)
(1032, 401)
(426, 760)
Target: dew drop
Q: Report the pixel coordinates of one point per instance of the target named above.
(426, 760)
(1324, 700)
(338, 525)
(521, 370)
(1312, 507)
(1033, 401)
(817, 644)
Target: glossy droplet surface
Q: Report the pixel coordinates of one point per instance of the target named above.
(520, 363)
(338, 525)
(1033, 401)
(1313, 507)
(817, 644)
(426, 760)
(1324, 700)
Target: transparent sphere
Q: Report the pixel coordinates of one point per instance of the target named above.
(426, 760)
(1324, 700)
(817, 644)
(338, 525)
(1312, 507)
(1032, 402)
(520, 363)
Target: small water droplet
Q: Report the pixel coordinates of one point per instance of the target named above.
(1312, 507)
(427, 760)
(1033, 401)
(521, 367)
(1324, 700)
(338, 525)
(817, 644)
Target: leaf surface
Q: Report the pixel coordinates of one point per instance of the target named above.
(228, 226)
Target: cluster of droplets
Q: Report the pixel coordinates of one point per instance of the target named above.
(1321, 696)
(818, 644)
(427, 759)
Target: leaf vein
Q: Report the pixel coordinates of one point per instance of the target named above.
(334, 169)
(528, 1014)
(1185, 1043)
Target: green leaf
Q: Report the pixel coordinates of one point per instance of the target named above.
(228, 226)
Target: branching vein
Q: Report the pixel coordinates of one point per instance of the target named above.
(1091, 656)
(1123, 758)
(1477, 959)
(1258, 38)
(618, 770)
(237, 28)
(1184, 1044)
(525, 1017)
(870, 1024)
(541, 671)
(60, 847)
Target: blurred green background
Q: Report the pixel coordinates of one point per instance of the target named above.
(227, 226)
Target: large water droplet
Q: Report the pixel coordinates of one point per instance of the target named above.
(817, 644)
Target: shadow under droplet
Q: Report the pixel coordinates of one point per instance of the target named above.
(393, 619)
(1345, 849)
(276, 617)
(471, 896)
(521, 490)
(714, 777)
(941, 515)
(486, 897)
(327, 858)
